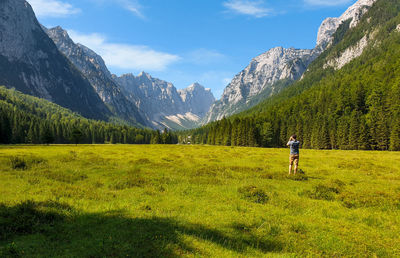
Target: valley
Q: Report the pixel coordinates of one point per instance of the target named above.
(166, 200)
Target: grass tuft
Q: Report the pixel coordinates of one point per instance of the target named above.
(253, 194)
(18, 163)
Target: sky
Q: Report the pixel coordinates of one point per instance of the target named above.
(187, 41)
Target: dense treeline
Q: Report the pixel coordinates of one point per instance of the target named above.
(356, 107)
(26, 119)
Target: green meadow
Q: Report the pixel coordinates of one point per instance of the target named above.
(171, 200)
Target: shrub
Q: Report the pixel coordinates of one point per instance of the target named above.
(327, 191)
(253, 194)
(18, 163)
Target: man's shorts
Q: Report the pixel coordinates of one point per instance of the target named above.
(294, 159)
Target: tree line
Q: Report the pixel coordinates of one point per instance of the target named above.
(26, 119)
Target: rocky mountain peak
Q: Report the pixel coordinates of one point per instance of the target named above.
(197, 99)
(195, 87)
(259, 77)
(330, 25)
(143, 74)
(163, 104)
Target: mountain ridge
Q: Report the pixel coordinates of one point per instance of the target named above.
(93, 67)
(288, 66)
(163, 104)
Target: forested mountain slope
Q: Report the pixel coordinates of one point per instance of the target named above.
(27, 119)
(354, 105)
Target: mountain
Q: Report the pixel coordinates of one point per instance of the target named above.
(261, 76)
(354, 106)
(92, 66)
(163, 104)
(197, 99)
(353, 14)
(31, 63)
(143, 99)
(274, 70)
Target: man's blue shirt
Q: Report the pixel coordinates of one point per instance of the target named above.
(294, 147)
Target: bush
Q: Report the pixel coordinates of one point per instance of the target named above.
(327, 191)
(253, 194)
(18, 163)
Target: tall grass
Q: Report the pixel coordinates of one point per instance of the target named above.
(167, 201)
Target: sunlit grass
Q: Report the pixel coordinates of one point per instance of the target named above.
(154, 200)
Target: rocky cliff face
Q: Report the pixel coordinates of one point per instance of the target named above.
(261, 76)
(197, 99)
(330, 25)
(31, 63)
(278, 67)
(92, 66)
(325, 35)
(163, 104)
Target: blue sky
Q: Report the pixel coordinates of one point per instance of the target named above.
(187, 41)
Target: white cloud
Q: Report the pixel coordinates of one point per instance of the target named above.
(204, 56)
(132, 6)
(327, 2)
(248, 7)
(52, 8)
(124, 56)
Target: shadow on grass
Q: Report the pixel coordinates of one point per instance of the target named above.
(52, 229)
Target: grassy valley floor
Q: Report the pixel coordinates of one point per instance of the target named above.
(166, 201)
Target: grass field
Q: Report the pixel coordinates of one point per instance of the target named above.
(166, 201)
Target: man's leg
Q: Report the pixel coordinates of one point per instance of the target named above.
(290, 165)
(296, 164)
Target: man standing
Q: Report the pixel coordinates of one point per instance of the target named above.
(294, 145)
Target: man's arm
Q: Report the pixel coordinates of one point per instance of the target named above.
(290, 139)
